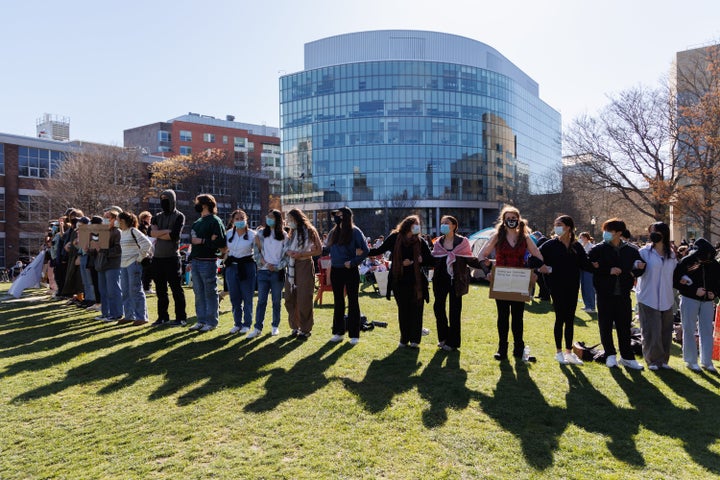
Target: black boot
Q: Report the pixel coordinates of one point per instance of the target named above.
(518, 348)
(501, 353)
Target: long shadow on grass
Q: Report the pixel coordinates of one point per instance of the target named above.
(520, 408)
(443, 387)
(304, 378)
(386, 378)
(698, 428)
(594, 412)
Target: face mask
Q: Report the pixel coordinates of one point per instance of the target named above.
(54, 230)
(116, 224)
(106, 221)
(270, 222)
(511, 223)
(656, 237)
(292, 225)
(165, 204)
(240, 224)
(337, 220)
(444, 229)
(198, 208)
(607, 236)
(416, 229)
(559, 231)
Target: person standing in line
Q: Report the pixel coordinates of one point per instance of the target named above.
(107, 264)
(135, 247)
(207, 238)
(270, 256)
(347, 247)
(453, 255)
(616, 265)
(697, 278)
(240, 271)
(85, 275)
(656, 298)
(408, 253)
(587, 289)
(166, 267)
(303, 244)
(563, 259)
(145, 226)
(510, 241)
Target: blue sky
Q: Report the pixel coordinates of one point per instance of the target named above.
(111, 65)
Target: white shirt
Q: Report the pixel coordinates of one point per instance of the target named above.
(655, 286)
(239, 247)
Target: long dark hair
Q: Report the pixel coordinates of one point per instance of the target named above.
(342, 234)
(570, 223)
(664, 230)
(405, 225)
(304, 227)
(231, 223)
(278, 228)
(502, 229)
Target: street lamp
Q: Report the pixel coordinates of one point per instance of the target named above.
(593, 222)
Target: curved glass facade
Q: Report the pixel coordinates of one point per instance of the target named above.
(425, 134)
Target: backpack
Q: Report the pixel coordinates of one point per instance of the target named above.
(588, 354)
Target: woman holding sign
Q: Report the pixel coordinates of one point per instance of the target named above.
(511, 241)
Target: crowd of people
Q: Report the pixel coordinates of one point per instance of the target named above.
(279, 261)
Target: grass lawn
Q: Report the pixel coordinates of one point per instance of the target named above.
(85, 399)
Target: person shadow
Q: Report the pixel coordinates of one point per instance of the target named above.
(698, 427)
(592, 411)
(304, 378)
(520, 408)
(385, 379)
(443, 387)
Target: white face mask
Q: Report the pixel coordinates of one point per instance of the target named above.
(416, 229)
(559, 231)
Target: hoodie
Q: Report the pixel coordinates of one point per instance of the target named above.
(168, 219)
(702, 269)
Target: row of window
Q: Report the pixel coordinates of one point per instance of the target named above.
(38, 162)
(186, 136)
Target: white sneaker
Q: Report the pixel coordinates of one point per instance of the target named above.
(630, 364)
(414, 345)
(254, 333)
(710, 368)
(611, 361)
(560, 357)
(402, 345)
(244, 330)
(693, 366)
(337, 338)
(197, 326)
(206, 328)
(275, 331)
(573, 359)
(426, 331)
(235, 330)
(653, 367)
(354, 341)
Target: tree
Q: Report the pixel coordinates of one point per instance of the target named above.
(698, 106)
(629, 148)
(95, 177)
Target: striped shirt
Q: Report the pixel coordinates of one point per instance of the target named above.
(133, 251)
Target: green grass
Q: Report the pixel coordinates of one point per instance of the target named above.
(83, 399)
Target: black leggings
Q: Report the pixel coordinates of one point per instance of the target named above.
(504, 309)
(564, 305)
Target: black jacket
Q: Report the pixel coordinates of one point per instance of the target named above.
(460, 282)
(702, 268)
(566, 264)
(608, 257)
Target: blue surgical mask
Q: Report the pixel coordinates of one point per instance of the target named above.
(444, 229)
(240, 224)
(607, 236)
(416, 229)
(559, 231)
(292, 225)
(270, 222)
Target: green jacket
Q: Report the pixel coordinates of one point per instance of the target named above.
(205, 227)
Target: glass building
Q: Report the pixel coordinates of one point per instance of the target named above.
(428, 122)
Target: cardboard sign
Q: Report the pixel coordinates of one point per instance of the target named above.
(99, 233)
(515, 284)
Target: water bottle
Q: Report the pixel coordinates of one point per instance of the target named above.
(526, 354)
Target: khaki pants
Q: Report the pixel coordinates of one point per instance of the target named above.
(299, 300)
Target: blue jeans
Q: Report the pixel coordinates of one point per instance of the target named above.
(268, 281)
(110, 293)
(86, 277)
(204, 278)
(700, 314)
(133, 295)
(587, 289)
(240, 280)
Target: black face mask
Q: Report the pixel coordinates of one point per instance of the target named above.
(165, 205)
(511, 223)
(337, 220)
(198, 207)
(655, 237)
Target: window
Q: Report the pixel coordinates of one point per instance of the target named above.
(38, 162)
(30, 247)
(162, 148)
(2, 207)
(2, 159)
(164, 136)
(240, 142)
(185, 136)
(2, 252)
(185, 150)
(209, 137)
(225, 139)
(33, 208)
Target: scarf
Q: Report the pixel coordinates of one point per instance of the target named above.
(463, 249)
(401, 242)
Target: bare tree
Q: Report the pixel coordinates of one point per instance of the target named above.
(97, 176)
(630, 148)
